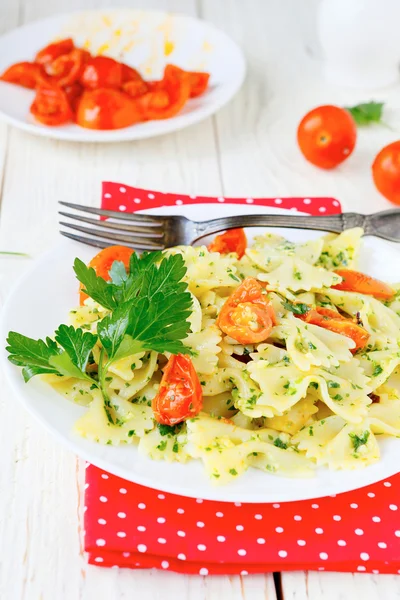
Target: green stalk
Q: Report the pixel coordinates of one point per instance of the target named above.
(103, 368)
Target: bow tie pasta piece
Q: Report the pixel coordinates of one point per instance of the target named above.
(379, 366)
(165, 444)
(205, 344)
(246, 268)
(227, 450)
(309, 344)
(295, 274)
(339, 445)
(217, 383)
(394, 303)
(382, 323)
(282, 386)
(341, 250)
(125, 367)
(141, 376)
(76, 390)
(220, 405)
(207, 270)
(271, 354)
(87, 315)
(196, 317)
(95, 426)
(384, 415)
(294, 419)
(270, 251)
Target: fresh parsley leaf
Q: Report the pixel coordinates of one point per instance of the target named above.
(94, 286)
(280, 444)
(118, 272)
(112, 329)
(297, 308)
(359, 440)
(77, 344)
(169, 429)
(367, 113)
(32, 355)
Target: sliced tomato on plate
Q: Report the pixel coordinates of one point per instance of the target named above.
(51, 106)
(233, 240)
(73, 92)
(68, 68)
(180, 396)
(102, 72)
(198, 81)
(247, 315)
(135, 88)
(26, 74)
(166, 97)
(130, 74)
(354, 281)
(106, 108)
(54, 50)
(103, 261)
(334, 321)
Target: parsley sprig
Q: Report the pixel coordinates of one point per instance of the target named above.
(367, 113)
(148, 310)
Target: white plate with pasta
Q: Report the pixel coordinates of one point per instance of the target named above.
(292, 390)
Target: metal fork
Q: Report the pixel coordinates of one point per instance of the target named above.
(157, 232)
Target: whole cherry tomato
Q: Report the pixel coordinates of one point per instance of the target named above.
(102, 72)
(103, 261)
(233, 240)
(386, 172)
(51, 106)
(106, 108)
(354, 281)
(53, 51)
(26, 74)
(327, 136)
(180, 396)
(247, 315)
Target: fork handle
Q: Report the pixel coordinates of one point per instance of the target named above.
(332, 223)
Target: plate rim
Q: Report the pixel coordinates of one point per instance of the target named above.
(177, 123)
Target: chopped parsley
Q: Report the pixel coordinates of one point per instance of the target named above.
(359, 440)
(280, 444)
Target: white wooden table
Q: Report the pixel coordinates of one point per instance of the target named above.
(248, 149)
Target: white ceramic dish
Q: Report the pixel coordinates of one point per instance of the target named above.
(147, 40)
(41, 301)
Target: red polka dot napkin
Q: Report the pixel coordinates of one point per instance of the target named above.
(128, 525)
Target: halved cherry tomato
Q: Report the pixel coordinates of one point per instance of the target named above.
(102, 72)
(73, 92)
(334, 321)
(198, 81)
(327, 136)
(386, 172)
(103, 262)
(53, 51)
(51, 106)
(247, 316)
(130, 74)
(180, 396)
(354, 281)
(135, 88)
(233, 240)
(68, 68)
(106, 108)
(167, 97)
(26, 74)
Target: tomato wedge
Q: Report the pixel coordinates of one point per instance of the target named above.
(106, 108)
(233, 240)
(67, 68)
(51, 106)
(180, 396)
(247, 316)
(103, 262)
(26, 74)
(332, 320)
(198, 80)
(165, 98)
(102, 72)
(135, 88)
(73, 92)
(53, 51)
(354, 281)
(130, 74)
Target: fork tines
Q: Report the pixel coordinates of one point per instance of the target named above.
(142, 232)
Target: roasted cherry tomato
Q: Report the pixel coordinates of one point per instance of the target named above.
(167, 97)
(327, 136)
(135, 88)
(53, 51)
(106, 108)
(102, 72)
(354, 281)
(51, 106)
(180, 396)
(26, 74)
(130, 74)
(198, 81)
(103, 262)
(247, 315)
(386, 172)
(233, 240)
(68, 68)
(332, 320)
